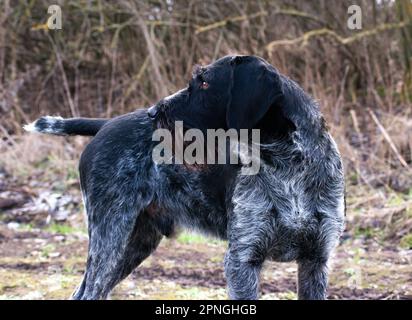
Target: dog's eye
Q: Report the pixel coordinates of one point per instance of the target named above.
(204, 85)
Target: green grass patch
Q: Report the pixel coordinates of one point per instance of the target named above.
(195, 238)
(288, 295)
(47, 249)
(26, 227)
(396, 200)
(406, 241)
(367, 232)
(63, 229)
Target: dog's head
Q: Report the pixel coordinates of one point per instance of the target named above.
(233, 92)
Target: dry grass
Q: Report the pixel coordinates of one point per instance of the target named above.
(33, 152)
(115, 56)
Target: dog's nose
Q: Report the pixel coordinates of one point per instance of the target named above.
(152, 112)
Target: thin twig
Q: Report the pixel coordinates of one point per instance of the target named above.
(160, 85)
(73, 109)
(223, 23)
(137, 78)
(388, 139)
(7, 135)
(306, 37)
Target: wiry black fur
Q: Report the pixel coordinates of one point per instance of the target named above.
(62, 127)
(131, 203)
(293, 209)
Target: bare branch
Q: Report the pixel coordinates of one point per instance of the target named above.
(223, 23)
(306, 37)
(388, 139)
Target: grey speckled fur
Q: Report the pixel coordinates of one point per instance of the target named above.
(292, 210)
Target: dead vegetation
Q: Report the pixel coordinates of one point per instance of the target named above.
(112, 57)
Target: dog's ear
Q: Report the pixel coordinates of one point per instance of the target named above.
(256, 87)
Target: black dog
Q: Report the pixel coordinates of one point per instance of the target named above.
(292, 209)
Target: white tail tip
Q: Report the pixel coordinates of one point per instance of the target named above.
(31, 127)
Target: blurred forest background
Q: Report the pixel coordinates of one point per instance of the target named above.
(112, 57)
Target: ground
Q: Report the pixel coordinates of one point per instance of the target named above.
(48, 265)
(43, 246)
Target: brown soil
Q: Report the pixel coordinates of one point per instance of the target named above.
(38, 261)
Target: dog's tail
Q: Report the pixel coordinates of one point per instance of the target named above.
(64, 127)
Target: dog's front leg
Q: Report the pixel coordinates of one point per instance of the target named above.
(312, 279)
(244, 259)
(242, 276)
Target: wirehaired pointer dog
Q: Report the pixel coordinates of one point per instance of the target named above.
(292, 209)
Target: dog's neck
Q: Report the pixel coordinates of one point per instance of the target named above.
(303, 111)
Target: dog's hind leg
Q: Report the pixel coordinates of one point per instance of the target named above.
(114, 252)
